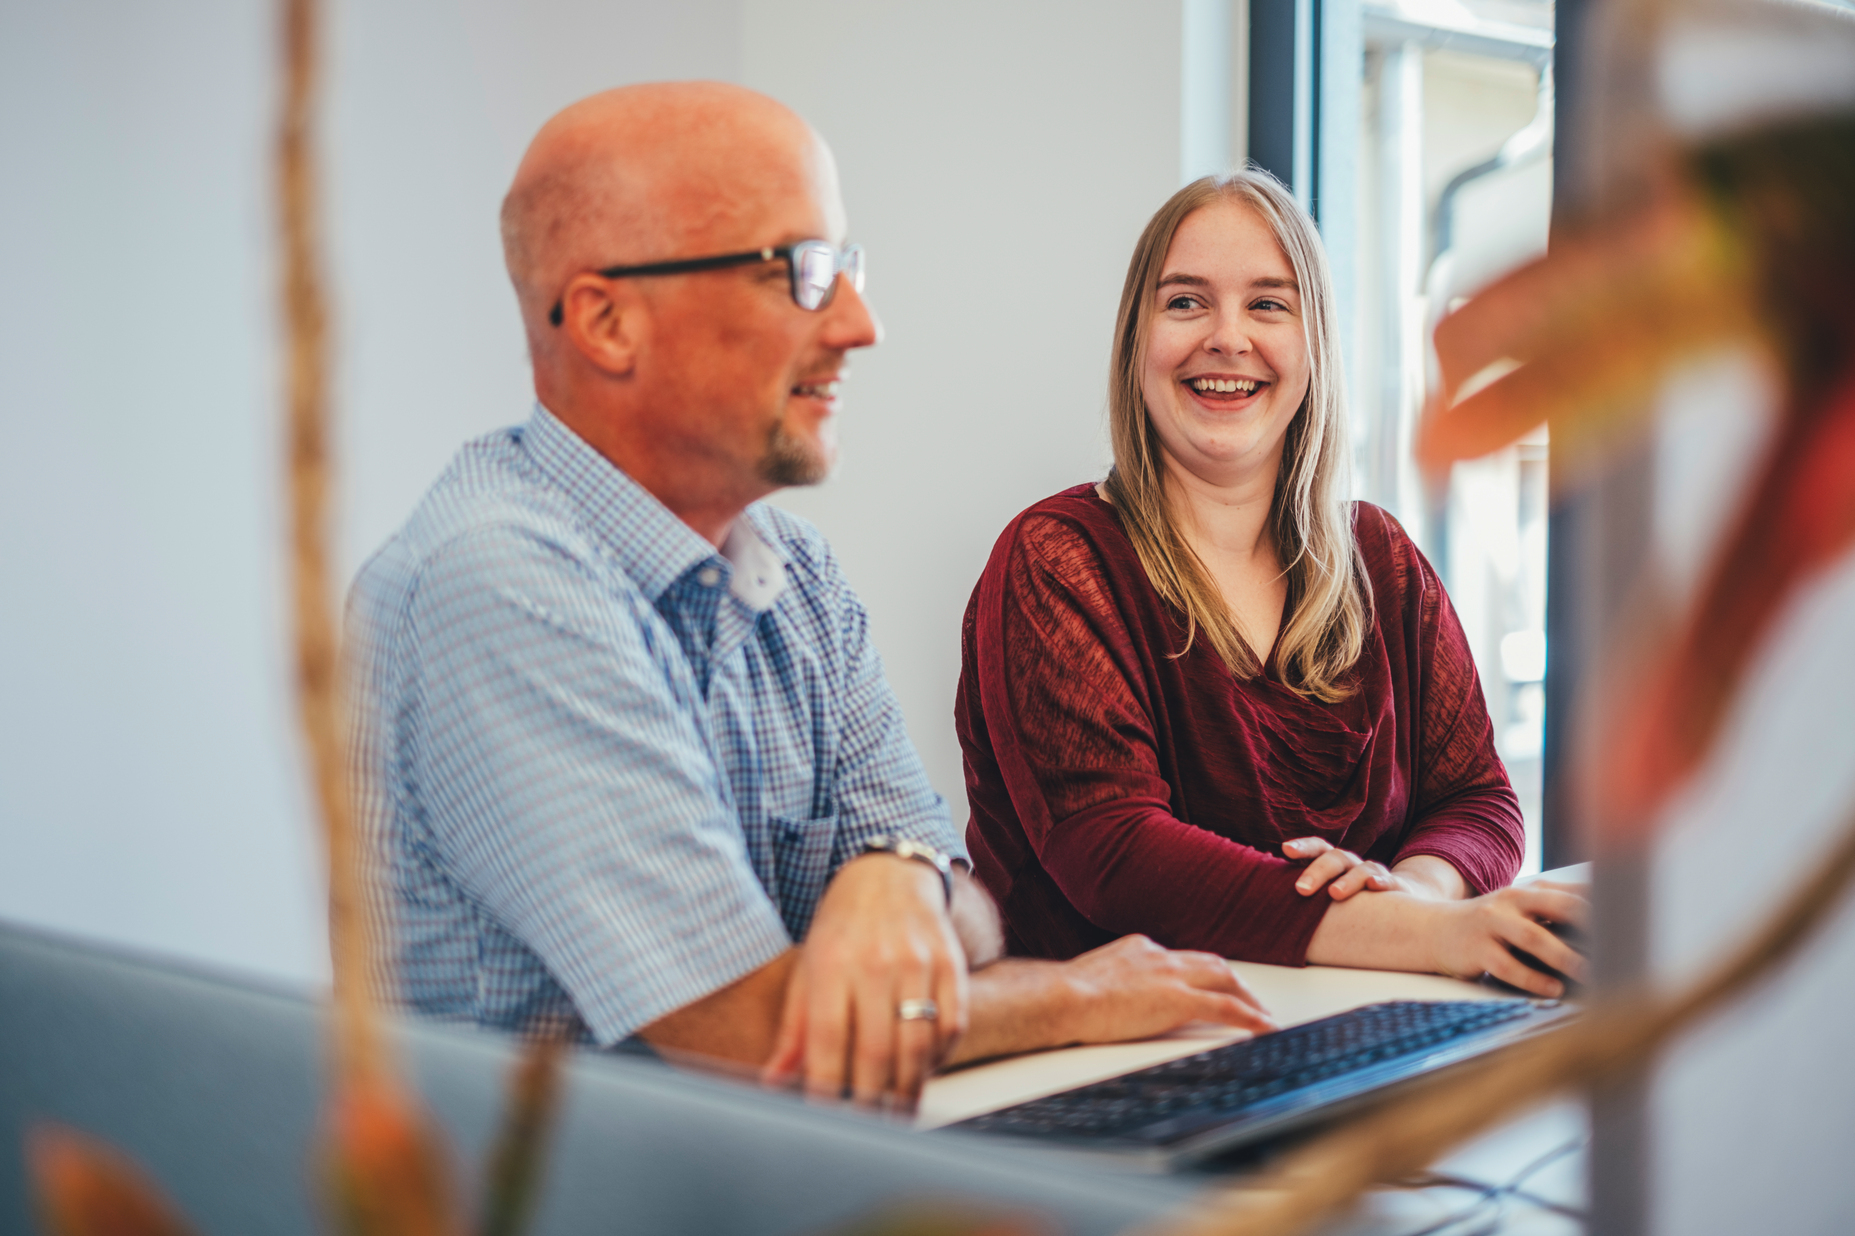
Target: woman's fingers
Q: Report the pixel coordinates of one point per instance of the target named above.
(1554, 905)
(1550, 950)
(1330, 865)
(1516, 973)
(1366, 875)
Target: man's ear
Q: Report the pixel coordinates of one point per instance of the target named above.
(605, 322)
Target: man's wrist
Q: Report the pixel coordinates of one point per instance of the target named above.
(911, 850)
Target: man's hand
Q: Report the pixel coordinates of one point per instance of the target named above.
(1130, 989)
(1134, 989)
(881, 935)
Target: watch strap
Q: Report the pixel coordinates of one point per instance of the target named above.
(904, 847)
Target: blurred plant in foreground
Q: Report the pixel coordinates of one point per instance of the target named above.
(88, 1189)
(1749, 240)
(384, 1163)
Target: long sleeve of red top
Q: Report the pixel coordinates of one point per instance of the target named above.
(1117, 786)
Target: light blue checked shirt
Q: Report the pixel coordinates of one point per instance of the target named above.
(608, 770)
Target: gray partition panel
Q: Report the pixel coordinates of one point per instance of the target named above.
(213, 1084)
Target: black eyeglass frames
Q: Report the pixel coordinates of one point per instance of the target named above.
(814, 265)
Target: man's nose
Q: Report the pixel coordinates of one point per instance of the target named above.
(849, 320)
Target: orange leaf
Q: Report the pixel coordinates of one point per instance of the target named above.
(1592, 326)
(87, 1188)
(387, 1169)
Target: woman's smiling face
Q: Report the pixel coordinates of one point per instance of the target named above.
(1226, 364)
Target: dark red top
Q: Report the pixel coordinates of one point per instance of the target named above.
(1116, 788)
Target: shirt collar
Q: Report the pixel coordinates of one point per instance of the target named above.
(759, 570)
(651, 544)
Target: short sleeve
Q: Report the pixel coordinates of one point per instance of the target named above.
(565, 789)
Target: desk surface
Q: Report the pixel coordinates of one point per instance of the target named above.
(1294, 996)
(1291, 995)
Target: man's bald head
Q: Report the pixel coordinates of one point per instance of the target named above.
(648, 173)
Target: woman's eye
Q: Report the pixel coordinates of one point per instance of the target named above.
(1182, 303)
(1270, 306)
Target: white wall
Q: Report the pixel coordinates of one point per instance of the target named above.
(149, 785)
(998, 161)
(145, 790)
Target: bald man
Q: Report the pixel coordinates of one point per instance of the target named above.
(625, 748)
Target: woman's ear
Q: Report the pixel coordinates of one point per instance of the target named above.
(604, 320)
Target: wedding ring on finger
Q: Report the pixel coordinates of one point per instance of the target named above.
(917, 1010)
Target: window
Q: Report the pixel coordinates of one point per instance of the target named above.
(1452, 150)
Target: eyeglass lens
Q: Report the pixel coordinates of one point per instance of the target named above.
(815, 266)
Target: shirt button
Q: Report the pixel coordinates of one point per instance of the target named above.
(708, 577)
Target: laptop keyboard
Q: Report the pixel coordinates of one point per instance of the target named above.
(1152, 1103)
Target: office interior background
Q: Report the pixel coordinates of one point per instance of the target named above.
(998, 160)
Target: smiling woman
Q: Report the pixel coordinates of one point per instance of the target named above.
(1229, 287)
(1213, 700)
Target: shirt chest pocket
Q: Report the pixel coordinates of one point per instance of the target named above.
(802, 852)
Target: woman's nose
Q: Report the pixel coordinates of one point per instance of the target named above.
(1227, 338)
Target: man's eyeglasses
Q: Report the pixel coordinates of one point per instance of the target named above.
(814, 265)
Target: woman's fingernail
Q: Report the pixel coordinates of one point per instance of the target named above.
(1301, 888)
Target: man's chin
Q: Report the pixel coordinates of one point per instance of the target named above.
(791, 460)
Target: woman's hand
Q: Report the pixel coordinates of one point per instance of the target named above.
(1342, 872)
(1398, 931)
(1474, 936)
(1345, 873)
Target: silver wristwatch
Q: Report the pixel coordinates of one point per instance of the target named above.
(902, 847)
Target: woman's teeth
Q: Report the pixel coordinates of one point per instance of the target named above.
(1224, 385)
(817, 390)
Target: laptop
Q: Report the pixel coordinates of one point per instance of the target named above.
(1241, 1096)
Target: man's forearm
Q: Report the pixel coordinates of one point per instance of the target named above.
(736, 1024)
(1129, 989)
(1019, 1004)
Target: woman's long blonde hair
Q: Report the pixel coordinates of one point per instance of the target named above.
(1310, 518)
